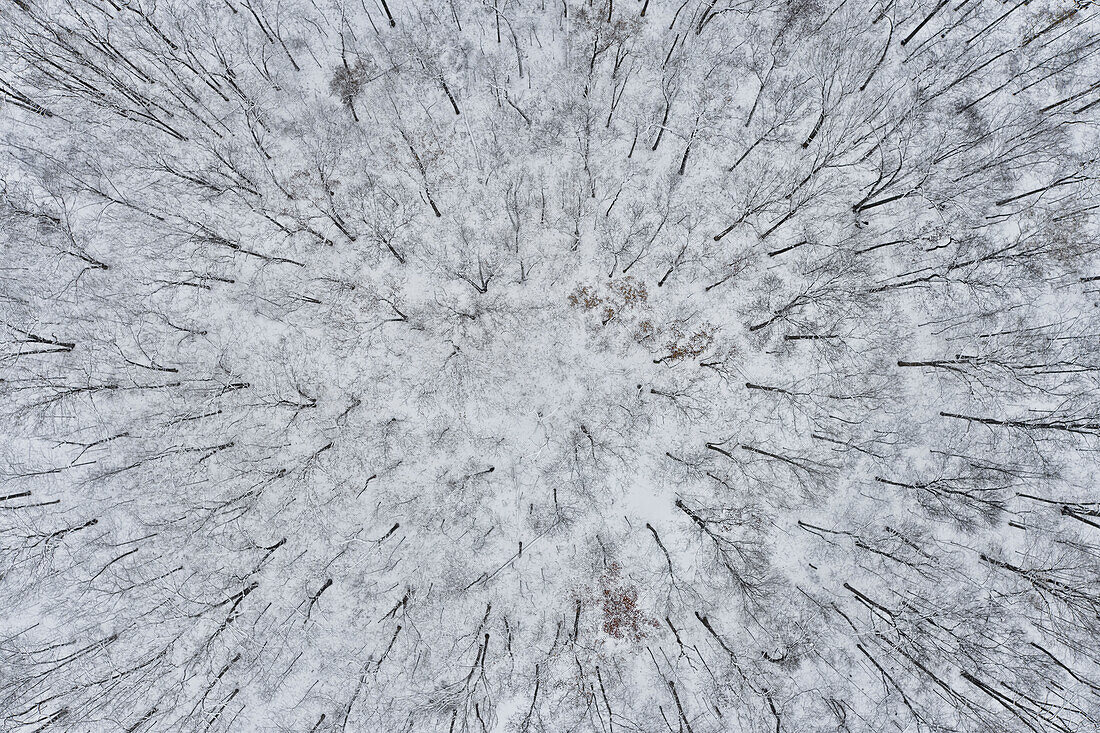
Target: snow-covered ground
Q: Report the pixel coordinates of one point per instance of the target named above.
(573, 365)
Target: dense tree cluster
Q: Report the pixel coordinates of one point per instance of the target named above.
(550, 365)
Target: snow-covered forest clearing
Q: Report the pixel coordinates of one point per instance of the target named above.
(686, 366)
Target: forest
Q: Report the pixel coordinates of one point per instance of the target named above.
(578, 366)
